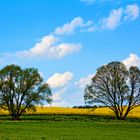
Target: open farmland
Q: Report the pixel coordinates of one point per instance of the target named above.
(60, 110)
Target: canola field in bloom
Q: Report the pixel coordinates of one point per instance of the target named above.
(135, 113)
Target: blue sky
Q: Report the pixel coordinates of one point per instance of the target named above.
(67, 40)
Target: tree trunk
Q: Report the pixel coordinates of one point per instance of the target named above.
(15, 117)
(126, 113)
(119, 116)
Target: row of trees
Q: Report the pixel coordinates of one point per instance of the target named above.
(113, 86)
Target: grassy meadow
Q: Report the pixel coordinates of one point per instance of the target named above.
(69, 130)
(55, 123)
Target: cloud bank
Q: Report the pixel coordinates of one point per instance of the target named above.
(50, 47)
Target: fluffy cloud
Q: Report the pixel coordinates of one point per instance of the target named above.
(60, 79)
(113, 20)
(118, 16)
(84, 81)
(49, 46)
(59, 83)
(132, 12)
(132, 60)
(69, 28)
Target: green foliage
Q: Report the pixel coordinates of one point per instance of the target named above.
(22, 89)
(116, 87)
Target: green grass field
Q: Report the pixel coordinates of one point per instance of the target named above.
(68, 127)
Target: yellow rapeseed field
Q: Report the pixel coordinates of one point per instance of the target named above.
(61, 110)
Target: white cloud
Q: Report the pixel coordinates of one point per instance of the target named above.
(132, 12)
(63, 49)
(69, 28)
(84, 81)
(60, 79)
(113, 20)
(132, 60)
(50, 47)
(118, 16)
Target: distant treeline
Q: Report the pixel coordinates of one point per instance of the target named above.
(89, 106)
(85, 106)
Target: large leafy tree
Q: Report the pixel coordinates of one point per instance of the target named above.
(22, 89)
(116, 87)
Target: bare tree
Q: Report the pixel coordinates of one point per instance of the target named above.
(115, 87)
(22, 89)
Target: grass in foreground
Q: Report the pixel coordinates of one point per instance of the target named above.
(69, 127)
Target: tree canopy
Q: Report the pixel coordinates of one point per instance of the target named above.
(22, 89)
(116, 87)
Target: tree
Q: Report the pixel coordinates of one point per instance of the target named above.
(116, 87)
(22, 89)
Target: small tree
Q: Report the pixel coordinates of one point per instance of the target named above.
(22, 89)
(115, 87)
